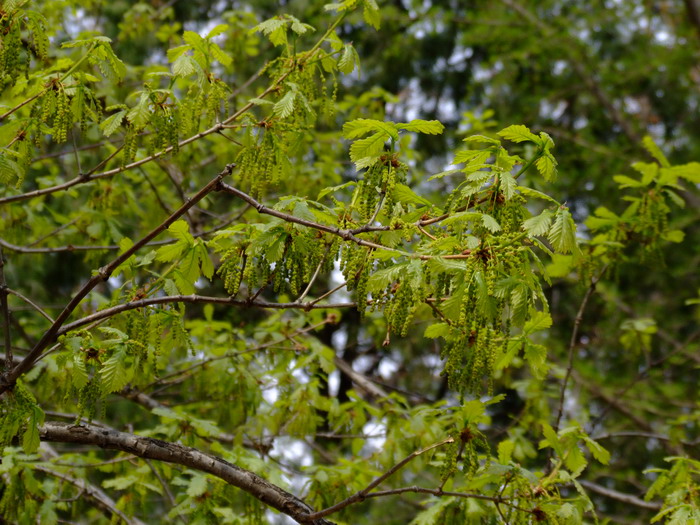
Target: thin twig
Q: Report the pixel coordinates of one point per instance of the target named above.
(347, 235)
(311, 281)
(202, 299)
(572, 345)
(620, 496)
(365, 493)
(96, 494)
(329, 292)
(5, 311)
(30, 303)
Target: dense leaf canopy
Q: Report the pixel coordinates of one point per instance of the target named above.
(398, 262)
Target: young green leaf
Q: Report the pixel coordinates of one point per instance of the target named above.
(519, 133)
(427, 127)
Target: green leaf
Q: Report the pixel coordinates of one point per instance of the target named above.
(370, 13)
(197, 486)
(402, 193)
(380, 279)
(121, 482)
(363, 126)
(505, 451)
(508, 184)
(490, 223)
(431, 515)
(274, 29)
(205, 262)
(364, 152)
(285, 106)
(536, 357)
(538, 321)
(519, 133)
(547, 166)
(562, 235)
(220, 55)
(551, 439)
(31, 439)
(112, 373)
(80, 376)
(427, 127)
(473, 157)
(112, 123)
(348, 60)
(141, 112)
(217, 30)
(655, 151)
(627, 182)
(674, 236)
(689, 172)
(482, 139)
(529, 192)
(437, 330)
(185, 66)
(538, 225)
(599, 453)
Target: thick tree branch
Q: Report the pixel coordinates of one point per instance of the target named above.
(359, 379)
(7, 381)
(693, 9)
(149, 448)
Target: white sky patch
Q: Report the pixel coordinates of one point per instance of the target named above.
(271, 395)
(334, 383)
(339, 339)
(375, 428)
(387, 368)
(553, 111)
(362, 364)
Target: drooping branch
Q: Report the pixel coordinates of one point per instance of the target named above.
(156, 449)
(363, 494)
(7, 380)
(620, 496)
(93, 492)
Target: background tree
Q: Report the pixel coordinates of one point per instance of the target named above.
(198, 273)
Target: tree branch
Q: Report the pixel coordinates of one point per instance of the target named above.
(96, 494)
(132, 305)
(29, 302)
(346, 235)
(620, 496)
(5, 312)
(572, 345)
(693, 9)
(101, 275)
(364, 493)
(149, 448)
